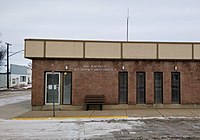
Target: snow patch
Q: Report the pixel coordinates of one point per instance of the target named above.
(79, 129)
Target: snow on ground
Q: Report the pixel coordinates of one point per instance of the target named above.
(113, 129)
(2, 89)
(14, 99)
(66, 129)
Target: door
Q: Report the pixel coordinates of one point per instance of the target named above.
(52, 88)
(123, 87)
(158, 87)
(175, 85)
(140, 87)
(67, 85)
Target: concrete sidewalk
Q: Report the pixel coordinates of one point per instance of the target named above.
(125, 113)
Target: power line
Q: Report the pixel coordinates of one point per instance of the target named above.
(15, 53)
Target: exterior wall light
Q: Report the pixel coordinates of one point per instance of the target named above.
(175, 68)
(66, 67)
(123, 67)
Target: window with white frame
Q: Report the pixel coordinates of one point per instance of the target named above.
(22, 78)
(13, 81)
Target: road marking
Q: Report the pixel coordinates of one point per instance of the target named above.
(109, 117)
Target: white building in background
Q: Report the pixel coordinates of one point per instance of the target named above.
(19, 75)
(3, 80)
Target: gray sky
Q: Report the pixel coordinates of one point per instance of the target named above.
(150, 20)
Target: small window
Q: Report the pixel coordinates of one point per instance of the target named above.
(29, 81)
(123, 87)
(175, 87)
(140, 87)
(13, 81)
(158, 87)
(67, 88)
(22, 78)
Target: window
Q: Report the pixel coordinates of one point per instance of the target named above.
(22, 78)
(175, 87)
(140, 89)
(123, 87)
(158, 87)
(29, 80)
(67, 91)
(13, 81)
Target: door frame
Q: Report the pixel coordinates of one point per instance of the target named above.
(46, 73)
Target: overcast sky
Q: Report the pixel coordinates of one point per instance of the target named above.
(150, 20)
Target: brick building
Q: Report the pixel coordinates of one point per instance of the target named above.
(129, 74)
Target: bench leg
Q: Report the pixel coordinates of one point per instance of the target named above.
(87, 107)
(101, 107)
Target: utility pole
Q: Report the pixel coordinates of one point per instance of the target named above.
(127, 20)
(8, 64)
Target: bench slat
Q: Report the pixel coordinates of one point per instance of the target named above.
(94, 100)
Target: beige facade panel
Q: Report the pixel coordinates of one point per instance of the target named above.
(59, 49)
(139, 50)
(34, 49)
(175, 51)
(102, 50)
(196, 51)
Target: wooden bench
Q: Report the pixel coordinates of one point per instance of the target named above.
(94, 100)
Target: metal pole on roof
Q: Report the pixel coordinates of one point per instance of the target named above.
(8, 64)
(127, 22)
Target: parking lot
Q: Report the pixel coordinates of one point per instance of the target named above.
(14, 103)
(17, 121)
(157, 128)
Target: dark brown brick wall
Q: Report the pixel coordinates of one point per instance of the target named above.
(87, 80)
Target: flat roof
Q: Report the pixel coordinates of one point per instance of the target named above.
(103, 49)
(113, 41)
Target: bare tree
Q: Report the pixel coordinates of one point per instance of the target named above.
(30, 65)
(2, 53)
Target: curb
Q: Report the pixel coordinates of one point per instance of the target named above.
(70, 117)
